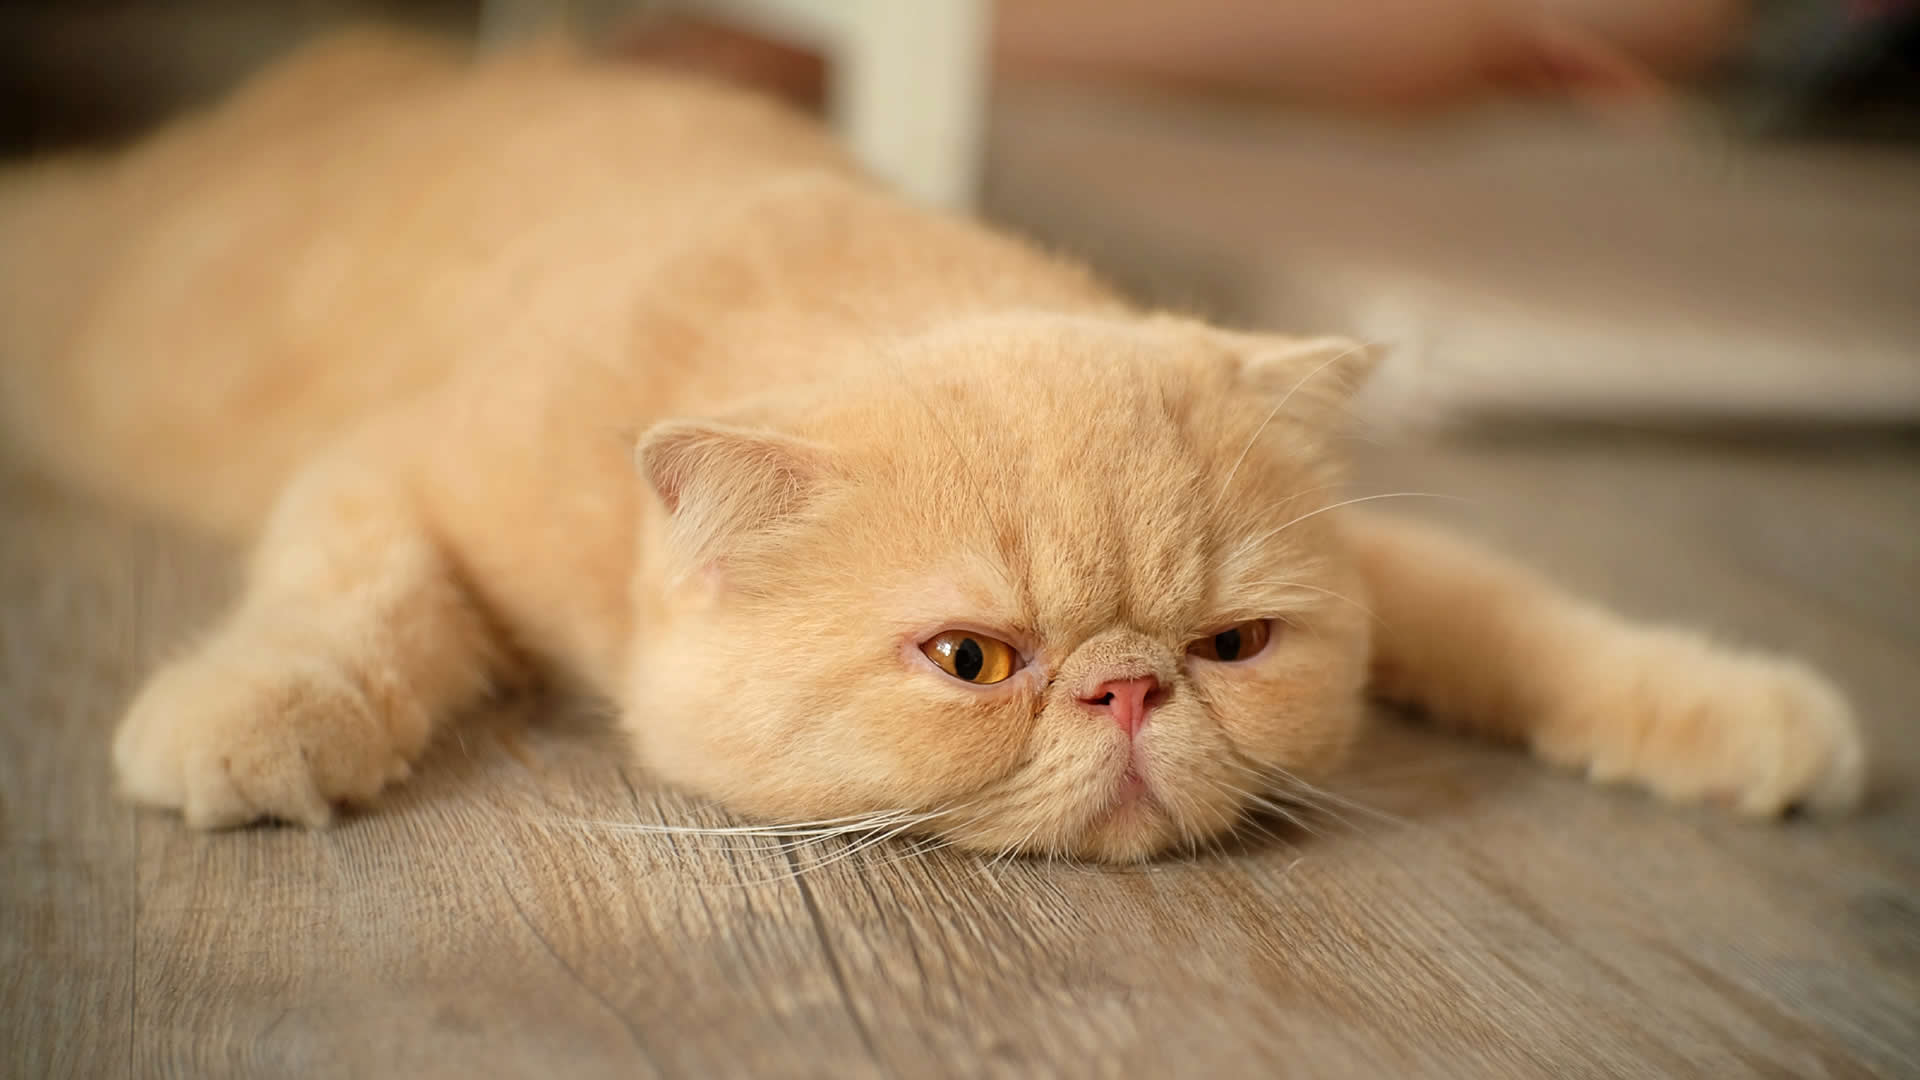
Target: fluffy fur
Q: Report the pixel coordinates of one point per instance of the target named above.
(641, 380)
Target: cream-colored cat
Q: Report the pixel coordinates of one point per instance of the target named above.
(850, 507)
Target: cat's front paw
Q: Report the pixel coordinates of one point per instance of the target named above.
(237, 734)
(1697, 723)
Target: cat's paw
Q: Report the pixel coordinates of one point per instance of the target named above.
(237, 734)
(1696, 723)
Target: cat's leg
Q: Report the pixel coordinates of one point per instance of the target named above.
(353, 639)
(1483, 645)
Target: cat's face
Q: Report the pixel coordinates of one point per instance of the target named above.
(1061, 584)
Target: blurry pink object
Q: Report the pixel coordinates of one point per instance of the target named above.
(1394, 53)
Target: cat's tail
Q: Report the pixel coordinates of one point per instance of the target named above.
(85, 396)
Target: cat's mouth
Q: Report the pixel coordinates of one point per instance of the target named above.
(1128, 803)
(1149, 803)
(1131, 821)
(1131, 784)
(1130, 793)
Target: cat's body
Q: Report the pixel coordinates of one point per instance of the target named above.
(407, 322)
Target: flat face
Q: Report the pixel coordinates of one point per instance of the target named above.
(1059, 586)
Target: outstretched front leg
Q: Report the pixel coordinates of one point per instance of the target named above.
(1484, 646)
(352, 641)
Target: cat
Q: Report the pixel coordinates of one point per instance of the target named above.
(850, 507)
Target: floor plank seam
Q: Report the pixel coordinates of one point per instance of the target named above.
(832, 958)
(633, 1033)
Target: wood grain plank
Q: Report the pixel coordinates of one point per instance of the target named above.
(73, 641)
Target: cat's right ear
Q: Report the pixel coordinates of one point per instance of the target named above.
(723, 483)
(1313, 378)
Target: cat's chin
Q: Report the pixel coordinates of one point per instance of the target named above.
(1129, 825)
(1137, 822)
(1136, 827)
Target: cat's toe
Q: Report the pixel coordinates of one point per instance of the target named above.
(1696, 723)
(239, 784)
(1817, 757)
(147, 767)
(1763, 736)
(230, 739)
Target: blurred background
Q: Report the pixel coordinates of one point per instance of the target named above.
(1651, 213)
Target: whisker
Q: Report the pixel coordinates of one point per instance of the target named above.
(1315, 797)
(1273, 785)
(920, 847)
(1006, 854)
(1278, 584)
(852, 849)
(1300, 785)
(1282, 811)
(1252, 799)
(1271, 533)
(791, 839)
(822, 828)
(906, 824)
(796, 867)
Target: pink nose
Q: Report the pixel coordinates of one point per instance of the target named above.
(1126, 700)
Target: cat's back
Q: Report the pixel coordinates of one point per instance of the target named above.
(348, 228)
(390, 158)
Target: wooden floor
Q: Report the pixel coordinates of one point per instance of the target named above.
(1469, 915)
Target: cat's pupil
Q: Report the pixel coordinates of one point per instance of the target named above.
(1227, 645)
(968, 659)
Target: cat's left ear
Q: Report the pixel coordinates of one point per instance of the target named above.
(723, 484)
(1311, 379)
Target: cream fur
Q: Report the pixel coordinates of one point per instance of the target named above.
(641, 380)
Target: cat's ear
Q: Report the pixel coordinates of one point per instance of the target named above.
(1311, 379)
(722, 483)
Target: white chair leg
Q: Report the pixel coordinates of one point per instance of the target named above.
(908, 92)
(908, 82)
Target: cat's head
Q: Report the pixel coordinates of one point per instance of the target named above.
(1062, 583)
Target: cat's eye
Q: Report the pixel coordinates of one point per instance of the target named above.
(1241, 641)
(972, 658)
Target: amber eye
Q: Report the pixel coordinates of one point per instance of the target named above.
(971, 657)
(1241, 641)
